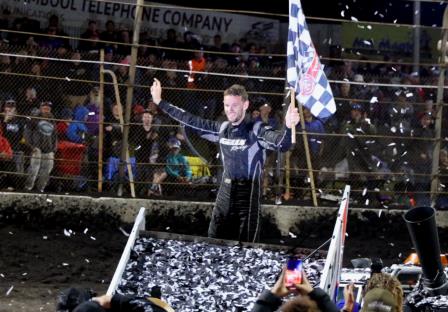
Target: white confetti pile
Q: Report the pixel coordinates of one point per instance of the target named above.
(196, 276)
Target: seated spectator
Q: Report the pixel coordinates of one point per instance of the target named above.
(309, 299)
(177, 169)
(383, 290)
(92, 35)
(109, 35)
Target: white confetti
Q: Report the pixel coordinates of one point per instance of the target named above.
(86, 230)
(342, 13)
(11, 233)
(67, 233)
(369, 27)
(374, 99)
(367, 42)
(87, 260)
(44, 237)
(367, 202)
(123, 231)
(92, 238)
(65, 264)
(409, 94)
(393, 129)
(9, 290)
(395, 21)
(392, 144)
(364, 192)
(354, 19)
(350, 135)
(292, 235)
(380, 212)
(68, 79)
(49, 200)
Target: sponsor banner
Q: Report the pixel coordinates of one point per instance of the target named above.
(155, 20)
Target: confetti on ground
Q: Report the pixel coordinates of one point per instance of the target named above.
(197, 276)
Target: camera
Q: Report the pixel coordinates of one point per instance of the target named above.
(293, 272)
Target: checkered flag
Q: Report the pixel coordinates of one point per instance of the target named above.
(305, 72)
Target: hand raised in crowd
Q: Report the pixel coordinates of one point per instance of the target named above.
(156, 91)
(349, 298)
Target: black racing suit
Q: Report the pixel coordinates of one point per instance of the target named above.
(236, 214)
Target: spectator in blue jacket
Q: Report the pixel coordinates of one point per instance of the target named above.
(77, 129)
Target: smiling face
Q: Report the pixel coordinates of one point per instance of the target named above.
(235, 108)
(236, 102)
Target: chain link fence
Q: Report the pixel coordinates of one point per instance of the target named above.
(381, 139)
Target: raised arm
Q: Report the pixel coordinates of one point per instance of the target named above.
(206, 126)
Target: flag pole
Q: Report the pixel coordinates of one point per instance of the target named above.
(307, 150)
(293, 105)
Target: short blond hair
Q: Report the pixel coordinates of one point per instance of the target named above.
(237, 90)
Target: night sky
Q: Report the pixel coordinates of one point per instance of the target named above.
(398, 11)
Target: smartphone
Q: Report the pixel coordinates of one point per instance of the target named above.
(293, 272)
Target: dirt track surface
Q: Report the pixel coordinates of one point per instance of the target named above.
(39, 256)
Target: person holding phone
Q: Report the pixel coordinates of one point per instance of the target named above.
(308, 299)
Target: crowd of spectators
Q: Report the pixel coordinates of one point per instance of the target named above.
(381, 140)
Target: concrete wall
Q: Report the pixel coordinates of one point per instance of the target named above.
(284, 217)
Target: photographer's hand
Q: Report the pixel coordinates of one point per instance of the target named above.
(280, 289)
(305, 288)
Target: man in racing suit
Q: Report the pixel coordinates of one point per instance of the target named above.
(236, 214)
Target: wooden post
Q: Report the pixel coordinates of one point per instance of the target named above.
(101, 123)
(120, 113)
(307, 152)
(129, 94)
(435, 181)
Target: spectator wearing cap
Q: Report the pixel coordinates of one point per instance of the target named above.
(177, 169)
(383, 293)
(40, 134)
(13, 129)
